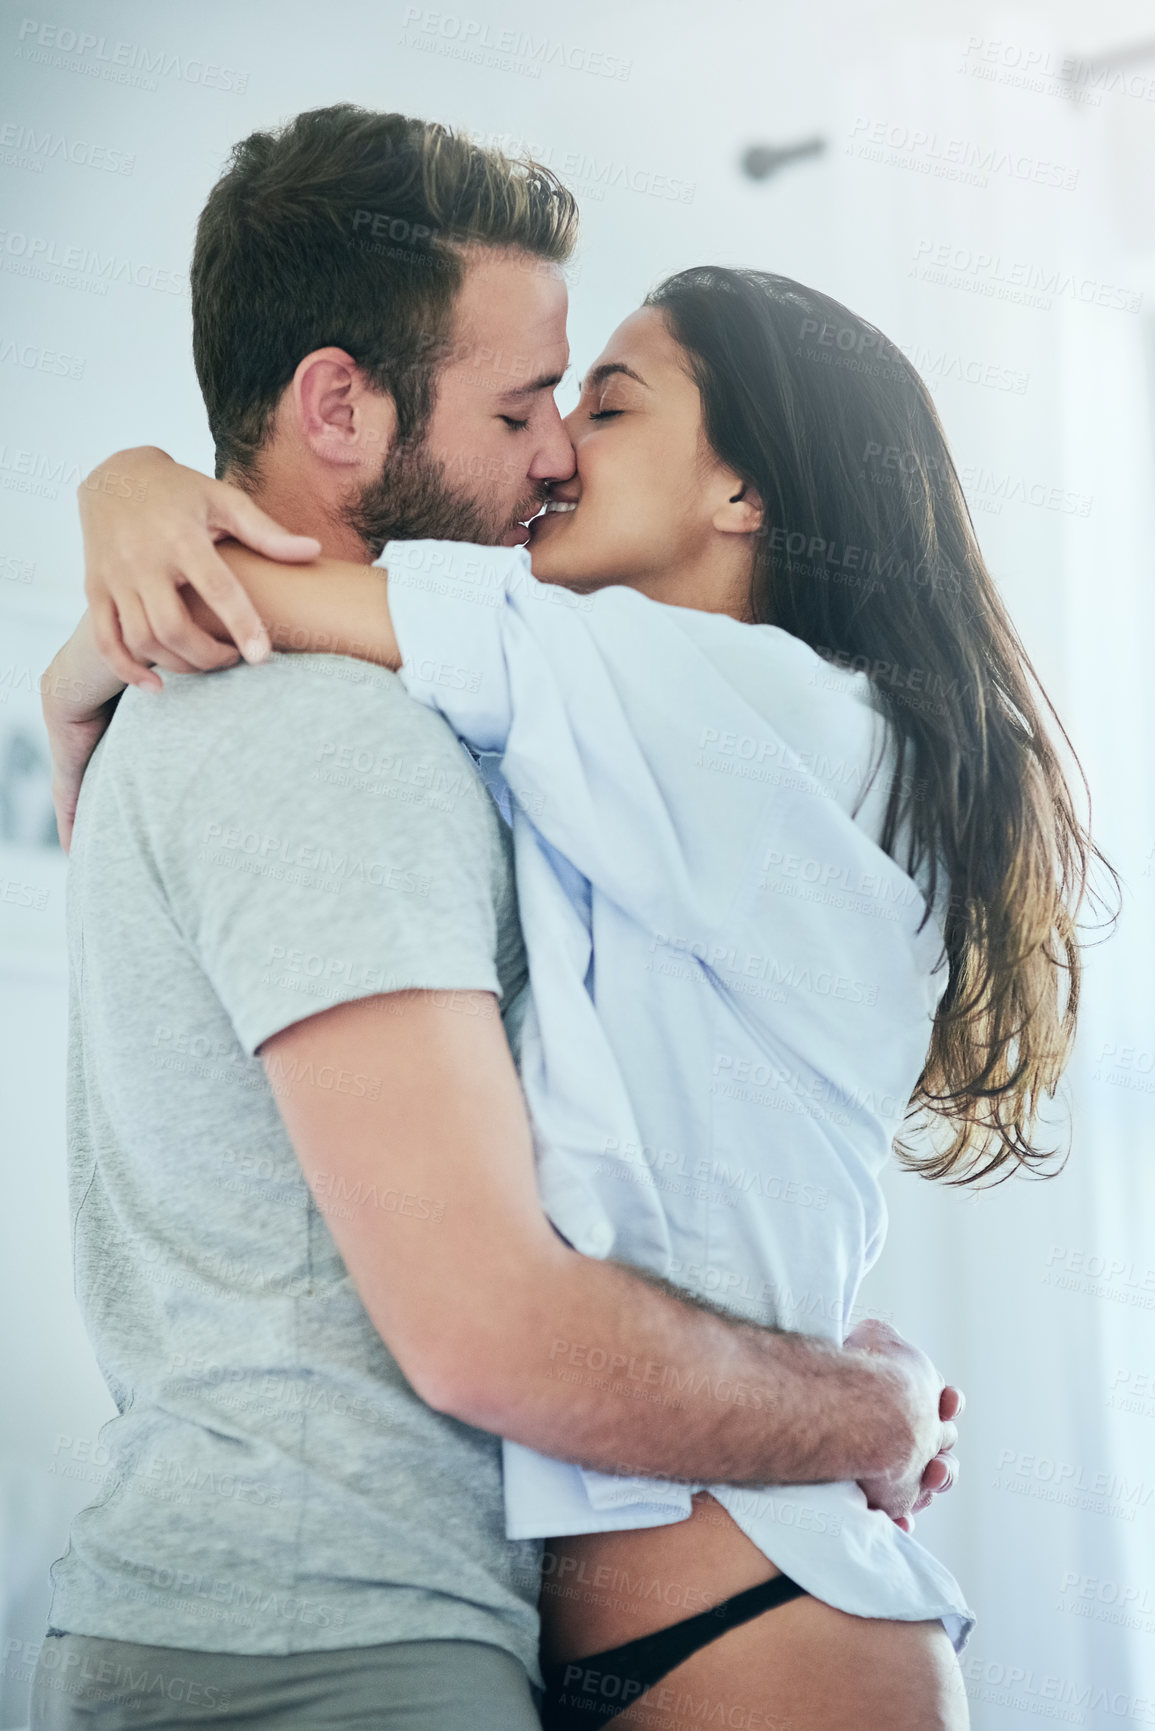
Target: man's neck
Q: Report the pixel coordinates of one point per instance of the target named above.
(302, 513)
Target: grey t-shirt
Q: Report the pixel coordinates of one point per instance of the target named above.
(252, 848)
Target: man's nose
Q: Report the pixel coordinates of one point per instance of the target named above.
(554, 459)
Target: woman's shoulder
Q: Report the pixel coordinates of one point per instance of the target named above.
(796, 670)
(818, 706)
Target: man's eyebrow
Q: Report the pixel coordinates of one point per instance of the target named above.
(547, 382)
(599, 375)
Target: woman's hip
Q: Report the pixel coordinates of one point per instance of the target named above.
(691, 1623)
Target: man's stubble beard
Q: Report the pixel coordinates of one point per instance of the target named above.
(413, 500)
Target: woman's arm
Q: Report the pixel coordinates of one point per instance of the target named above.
(78, 695)
(150, 526)
(328, 607)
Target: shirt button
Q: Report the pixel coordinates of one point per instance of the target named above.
(600, 1238)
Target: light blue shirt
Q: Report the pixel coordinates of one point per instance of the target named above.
(731, 995)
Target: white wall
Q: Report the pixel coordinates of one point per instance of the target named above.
(1007, 1289)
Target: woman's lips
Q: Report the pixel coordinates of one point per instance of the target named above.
(548, 516)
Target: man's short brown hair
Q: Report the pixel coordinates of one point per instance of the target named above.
(345, 228)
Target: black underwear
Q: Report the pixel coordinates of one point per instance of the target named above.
(590, 1691)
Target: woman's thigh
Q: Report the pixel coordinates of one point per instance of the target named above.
(807, 1667)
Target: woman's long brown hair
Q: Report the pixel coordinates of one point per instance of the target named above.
(868, 554)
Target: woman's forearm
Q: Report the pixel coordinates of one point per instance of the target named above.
(78, 682)
(78, 693)
(330, 606)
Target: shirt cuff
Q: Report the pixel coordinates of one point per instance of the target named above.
(448, 602)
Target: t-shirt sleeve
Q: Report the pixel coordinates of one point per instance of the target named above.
(331, 844)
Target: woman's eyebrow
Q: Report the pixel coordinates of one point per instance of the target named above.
(607, 369)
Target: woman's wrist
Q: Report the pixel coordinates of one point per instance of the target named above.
(125, 474)
(328, 607)
(78, 682)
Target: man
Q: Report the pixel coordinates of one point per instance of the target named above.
(309, 1247)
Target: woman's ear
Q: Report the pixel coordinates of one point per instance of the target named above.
(741, 512)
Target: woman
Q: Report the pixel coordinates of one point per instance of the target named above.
(793, 840)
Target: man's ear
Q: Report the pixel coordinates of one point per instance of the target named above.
(342, 419)
(741, 511)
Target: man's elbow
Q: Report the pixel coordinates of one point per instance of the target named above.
(478, 1349)
(469, 1380)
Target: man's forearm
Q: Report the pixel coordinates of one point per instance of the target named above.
(623, 1373)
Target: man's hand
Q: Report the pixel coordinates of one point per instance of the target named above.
(931, 1466)
(150, 527)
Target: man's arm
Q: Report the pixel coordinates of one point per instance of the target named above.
(428, 1189)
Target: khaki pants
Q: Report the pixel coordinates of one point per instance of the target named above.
(84, 1681)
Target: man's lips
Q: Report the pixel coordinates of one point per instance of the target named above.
(519, 532)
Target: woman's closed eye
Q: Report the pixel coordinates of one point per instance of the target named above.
(604, 414)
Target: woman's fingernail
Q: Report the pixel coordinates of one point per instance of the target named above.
(257, 648)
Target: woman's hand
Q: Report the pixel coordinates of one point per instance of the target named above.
(150, 527)
(329, 606)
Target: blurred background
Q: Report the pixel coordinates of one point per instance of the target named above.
(975, 180)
